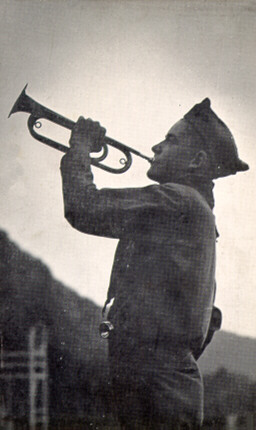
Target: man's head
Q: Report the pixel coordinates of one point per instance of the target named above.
(199, 144)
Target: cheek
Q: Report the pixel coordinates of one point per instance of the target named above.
(178, 158)
(172, 159)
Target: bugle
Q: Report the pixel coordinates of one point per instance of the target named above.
(24, 103)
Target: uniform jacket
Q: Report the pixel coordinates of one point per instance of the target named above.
(162, 280)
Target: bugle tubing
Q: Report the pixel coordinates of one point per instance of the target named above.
(24, 103)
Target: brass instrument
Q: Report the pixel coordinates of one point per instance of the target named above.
(24, 103)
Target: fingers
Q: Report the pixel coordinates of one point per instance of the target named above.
(88, 133)
(78, 133)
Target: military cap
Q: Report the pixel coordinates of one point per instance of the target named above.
(217, 139)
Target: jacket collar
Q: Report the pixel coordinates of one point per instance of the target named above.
(203, 185)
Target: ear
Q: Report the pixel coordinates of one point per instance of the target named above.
(200, 160)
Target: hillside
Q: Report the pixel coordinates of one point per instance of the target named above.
(77, 355)
(235, 353)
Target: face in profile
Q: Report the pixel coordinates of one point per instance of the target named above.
(173, 155)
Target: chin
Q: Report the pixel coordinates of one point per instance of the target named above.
(154, 176)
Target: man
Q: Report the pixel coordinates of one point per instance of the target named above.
(163, 277)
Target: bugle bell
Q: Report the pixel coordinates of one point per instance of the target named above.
(24, 103)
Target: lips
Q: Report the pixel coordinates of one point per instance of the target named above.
(154, 159)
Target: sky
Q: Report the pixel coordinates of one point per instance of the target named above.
(137, 66)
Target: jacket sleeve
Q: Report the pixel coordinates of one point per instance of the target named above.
(111, 212)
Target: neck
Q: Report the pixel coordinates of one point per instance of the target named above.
(202, 184)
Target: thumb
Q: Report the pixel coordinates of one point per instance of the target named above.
(78, 132)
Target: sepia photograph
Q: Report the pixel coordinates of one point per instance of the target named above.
(127, 219)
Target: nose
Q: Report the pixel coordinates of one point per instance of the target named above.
(157, 149)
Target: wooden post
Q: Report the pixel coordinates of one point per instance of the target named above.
(30, 365)
(38, 378)
(231, 422)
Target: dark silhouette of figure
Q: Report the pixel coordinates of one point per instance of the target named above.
(163, 279)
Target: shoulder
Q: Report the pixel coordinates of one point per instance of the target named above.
(192, 200)
(181, 192)
(168, 193)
